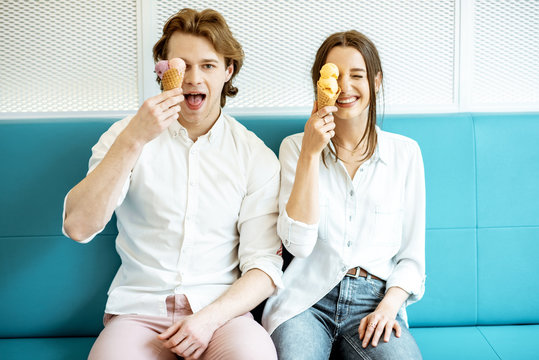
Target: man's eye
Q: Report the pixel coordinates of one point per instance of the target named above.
(208, 66)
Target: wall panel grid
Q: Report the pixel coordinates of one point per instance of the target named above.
(64, 56)
(449, 55)
(505, 52)
(280, 39)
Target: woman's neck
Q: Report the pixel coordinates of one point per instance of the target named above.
(348, 132)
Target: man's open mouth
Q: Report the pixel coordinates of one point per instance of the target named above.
(194, 100)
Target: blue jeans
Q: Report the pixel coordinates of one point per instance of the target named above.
(330, 327)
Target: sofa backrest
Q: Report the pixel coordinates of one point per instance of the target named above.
(481, 170)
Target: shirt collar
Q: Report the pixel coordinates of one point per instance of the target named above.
(176, 129)
(380, 152)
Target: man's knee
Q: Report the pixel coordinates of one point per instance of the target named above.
(241, 338)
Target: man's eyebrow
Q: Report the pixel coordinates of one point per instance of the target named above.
(210, 60)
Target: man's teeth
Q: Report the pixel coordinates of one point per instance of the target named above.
(347, 101)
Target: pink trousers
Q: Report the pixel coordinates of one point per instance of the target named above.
(135, 337)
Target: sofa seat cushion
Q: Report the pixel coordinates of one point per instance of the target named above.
(513, 342)
(507, 342)
(451, 343)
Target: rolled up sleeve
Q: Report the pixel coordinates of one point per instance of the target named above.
(298, 238)
(409, 271)
(99, 151)
(260, 247)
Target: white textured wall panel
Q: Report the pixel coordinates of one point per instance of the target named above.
(280, 38)
(66, 55)
(506, 52)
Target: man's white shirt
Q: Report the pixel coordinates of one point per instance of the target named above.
(193, 216)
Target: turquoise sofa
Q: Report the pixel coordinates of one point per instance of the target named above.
(482, 237)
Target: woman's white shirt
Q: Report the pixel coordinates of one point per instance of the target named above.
(375, 220)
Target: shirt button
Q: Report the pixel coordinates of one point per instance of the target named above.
(350, 218)
(344, 269)
(351, 192)
(349, 244)
(361, 170)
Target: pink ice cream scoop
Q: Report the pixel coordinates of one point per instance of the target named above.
(161, 67)
(177, 63)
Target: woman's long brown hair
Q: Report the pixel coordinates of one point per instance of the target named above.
(367, 49)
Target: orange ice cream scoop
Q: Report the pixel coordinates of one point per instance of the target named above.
(327, 87)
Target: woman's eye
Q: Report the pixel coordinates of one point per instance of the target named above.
(357, 76)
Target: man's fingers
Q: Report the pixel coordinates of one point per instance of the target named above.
(185, 349)
(198, 353)
(175, 100)
(169, 332)
(172, 111)
(163, 96)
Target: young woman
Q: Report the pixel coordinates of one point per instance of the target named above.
(352, 213)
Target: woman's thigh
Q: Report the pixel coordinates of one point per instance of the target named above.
(305, 336)
(366, 294)
(398, 348)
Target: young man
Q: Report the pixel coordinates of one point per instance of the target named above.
(195, 195)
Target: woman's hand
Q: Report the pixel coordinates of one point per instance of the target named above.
(383, 319)
(375, 324)
(319, 129)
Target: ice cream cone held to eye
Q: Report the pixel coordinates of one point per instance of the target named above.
(171, 73)
(327, 88)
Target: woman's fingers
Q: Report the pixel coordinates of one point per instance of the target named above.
(371, 327)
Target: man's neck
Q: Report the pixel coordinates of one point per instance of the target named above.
(199, 128)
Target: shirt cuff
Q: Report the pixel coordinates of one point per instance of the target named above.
(410, 281)
(297, 233)
(271, 269)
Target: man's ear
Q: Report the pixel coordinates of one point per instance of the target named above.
(229, 71)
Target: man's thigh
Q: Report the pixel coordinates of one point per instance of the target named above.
(132, 337)
(305, 336)
(240, 338)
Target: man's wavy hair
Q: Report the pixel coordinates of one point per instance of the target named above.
(211, 25)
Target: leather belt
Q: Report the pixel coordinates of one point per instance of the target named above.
(358, 271)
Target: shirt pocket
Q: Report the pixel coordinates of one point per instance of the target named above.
(388, 225)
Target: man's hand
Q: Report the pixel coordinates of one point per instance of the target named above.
(154, 116)
(189, 337)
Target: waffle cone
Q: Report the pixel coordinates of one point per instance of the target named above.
(324, 99)
(172, 79)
